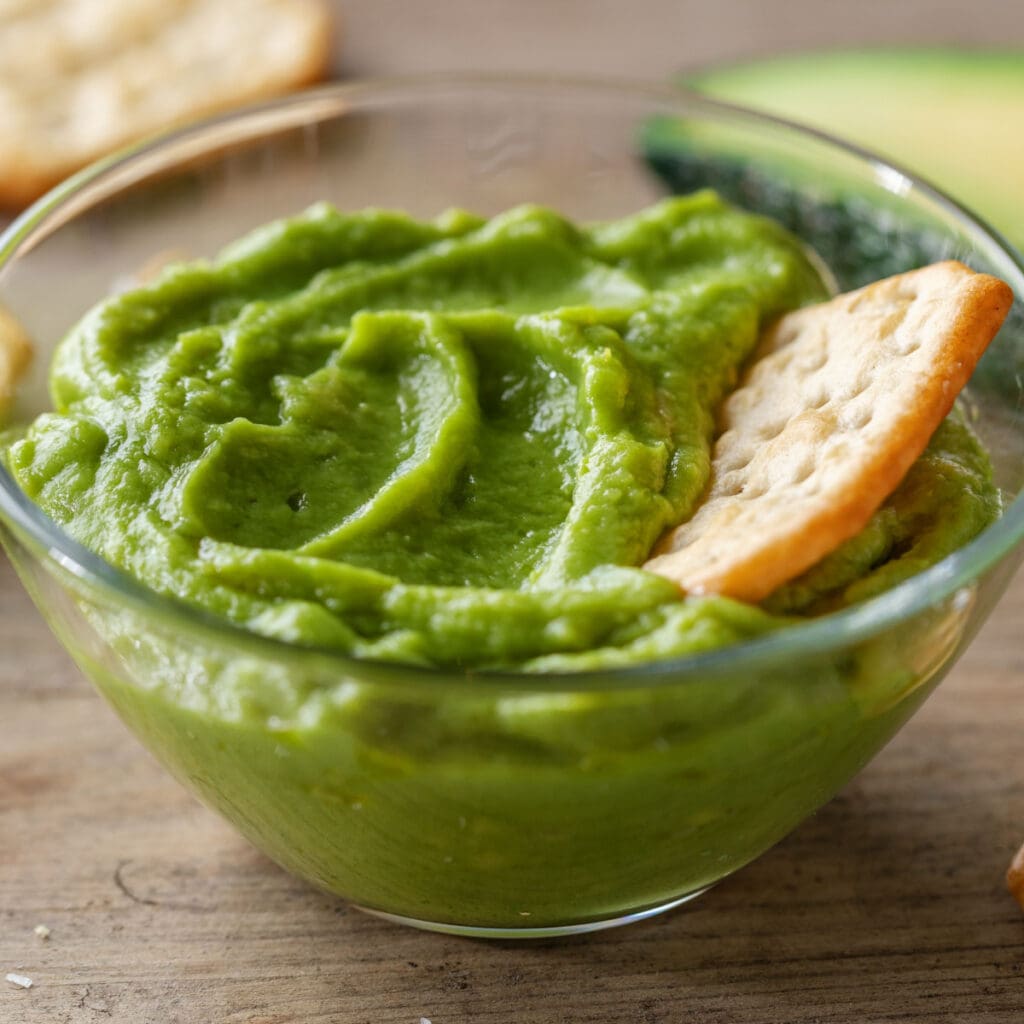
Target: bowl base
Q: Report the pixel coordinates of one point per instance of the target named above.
(526, 932)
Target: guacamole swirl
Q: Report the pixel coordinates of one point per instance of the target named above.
(448, 443)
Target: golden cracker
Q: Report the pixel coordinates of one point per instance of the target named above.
(841, 400)
(1015, 877)
(79, 78)
(15, 355)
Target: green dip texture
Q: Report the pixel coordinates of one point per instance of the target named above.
(449, 443)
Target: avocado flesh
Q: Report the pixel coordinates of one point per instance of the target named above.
(952, 117)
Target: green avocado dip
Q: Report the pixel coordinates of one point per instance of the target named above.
(449, 443)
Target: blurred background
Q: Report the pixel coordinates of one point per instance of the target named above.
(94, 74)
(937, 88)
(652, 39)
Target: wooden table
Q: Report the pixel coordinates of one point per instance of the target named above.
(887, 906)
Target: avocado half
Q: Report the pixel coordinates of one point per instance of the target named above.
(953, 117)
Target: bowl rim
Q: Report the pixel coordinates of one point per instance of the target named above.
(834, 631)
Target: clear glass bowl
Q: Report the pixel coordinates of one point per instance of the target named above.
(503, 804)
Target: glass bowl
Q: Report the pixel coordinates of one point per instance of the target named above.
(503, 804)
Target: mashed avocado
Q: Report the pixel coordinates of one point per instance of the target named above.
(448, 443)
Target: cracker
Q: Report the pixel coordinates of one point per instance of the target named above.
(1015, 877)
(15, 355)
(79, 78)
(841, 399)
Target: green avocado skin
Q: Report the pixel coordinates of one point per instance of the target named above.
(449, 444)
(942, 112)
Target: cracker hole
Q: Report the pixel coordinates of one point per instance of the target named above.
(857, 388)
(786, 334)
(814, 360)
(740, 402)
(857, 419)
(729, 485)
(771, 430)
(837, 451)
(734, 460)
(818, 398)
(802, 470)
(779, 360)
(890, 322)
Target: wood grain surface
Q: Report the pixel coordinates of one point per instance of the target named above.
(887, 906)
